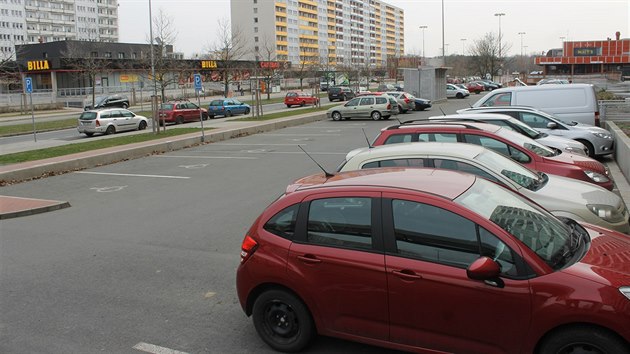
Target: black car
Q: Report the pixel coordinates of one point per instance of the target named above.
(421, 104)
(109, 102)
(488, 85)
(340, 93)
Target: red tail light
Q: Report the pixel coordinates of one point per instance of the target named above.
(389, 106)
(597, 119)
(407, 100)
(248, 247)
(98, 124)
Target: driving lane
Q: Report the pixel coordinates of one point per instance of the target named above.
(146, 254)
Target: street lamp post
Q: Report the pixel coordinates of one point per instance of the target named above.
(499, 15)
(521, 34)
(423, 28)
(443, 46)
(463, 41)
(154, 98)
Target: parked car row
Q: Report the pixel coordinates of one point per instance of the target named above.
(445, 227)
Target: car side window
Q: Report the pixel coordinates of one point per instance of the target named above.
(399, 138)
(499, 99)
(463, 167)
(116, 114)
(534, 120)
(395, 163)
(367, 101)
(353, 102)
(381, 100)
(105, 115)
(438, 137)
(487, 142)
(283, 223)
(340, 222)
(434, 234)
(127, 114)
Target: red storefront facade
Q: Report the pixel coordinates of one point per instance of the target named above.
(605, 57)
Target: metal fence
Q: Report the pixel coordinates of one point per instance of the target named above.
(616, 111)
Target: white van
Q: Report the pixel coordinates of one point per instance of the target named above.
(572, 102)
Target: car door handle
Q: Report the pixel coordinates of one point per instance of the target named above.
(406, 274)
(309, 258)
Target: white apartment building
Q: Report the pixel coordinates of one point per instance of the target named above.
(39, 21)
(332, 33)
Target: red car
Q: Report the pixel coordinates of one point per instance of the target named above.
(299, 98)
(474, 87)
(179, 112)
(520, 148)
(429, 260)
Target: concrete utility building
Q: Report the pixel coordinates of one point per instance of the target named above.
(331, 33)
(41, 21)
(609, 57)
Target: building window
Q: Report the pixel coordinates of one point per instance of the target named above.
(255, 29)
(45, 55)
(255, 39)
(121, 55)
(255, 19)
(108, 54)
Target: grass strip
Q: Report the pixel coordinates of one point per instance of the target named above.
(46, 153)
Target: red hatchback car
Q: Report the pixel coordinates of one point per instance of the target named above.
(429, 260)
(520, 148)
(299, 98)
(179, 112)
(474, 87)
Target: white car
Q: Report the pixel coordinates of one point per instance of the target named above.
(555, 142)
(456, 92)
(598, 141)
(563, 197)
(110, 121)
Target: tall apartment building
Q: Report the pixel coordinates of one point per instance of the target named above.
(38, 21)
(332, 33)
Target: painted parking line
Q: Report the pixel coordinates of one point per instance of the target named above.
(155, 349)
(211, 157)
(130, 175)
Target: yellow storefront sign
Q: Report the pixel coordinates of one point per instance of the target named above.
(208, 64)
(37, 65)
(128, 78)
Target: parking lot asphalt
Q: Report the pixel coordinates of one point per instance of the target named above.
(222, 130)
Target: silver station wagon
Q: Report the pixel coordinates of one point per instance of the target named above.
(110, 121)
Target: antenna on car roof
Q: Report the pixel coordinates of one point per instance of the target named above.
(441, 110)
(366, 138)
(326, 173)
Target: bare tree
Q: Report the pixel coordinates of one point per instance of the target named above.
(230, 47)
(165, 65)
(267, 52)
(87, 58)
(485, 54)
(307, 68)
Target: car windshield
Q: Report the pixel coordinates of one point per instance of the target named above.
(512, 170)
(216, 103)
(88, 116)
(526, 142)
(167, 106)
(526, 129)
(544, 234)
(100, 99)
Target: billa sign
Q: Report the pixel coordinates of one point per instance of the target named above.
(128, 78)
(33, 65)
(208, 64)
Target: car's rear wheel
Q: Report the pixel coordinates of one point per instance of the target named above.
(376, 115)
(179, 120)
(211, 116)
(302, 104)
(110, 130)
(336, 116)
(228, 113)
(142, 125)
(246, 110)
(459, 95)
(288, 106)
(283, 321)
(590, 150)
(583, 339)
(124, 105)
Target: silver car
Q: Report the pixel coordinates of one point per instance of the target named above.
(368, 106)
(110, 121)
(406, 101)
(555, 142)
(563, 197)
(598, 141)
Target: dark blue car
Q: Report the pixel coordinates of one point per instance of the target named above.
(227, 107)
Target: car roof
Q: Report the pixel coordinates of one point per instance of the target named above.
(444, 183)
(414, 124)
(474, 117)
(432, 148)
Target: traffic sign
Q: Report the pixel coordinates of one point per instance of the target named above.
(198, 82)
(28, 83)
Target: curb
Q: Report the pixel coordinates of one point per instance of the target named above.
(14, 207)
(21, 172)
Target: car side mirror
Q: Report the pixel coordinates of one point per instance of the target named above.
(487, 270)
(552, 125)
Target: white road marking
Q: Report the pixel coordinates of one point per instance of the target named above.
(236, 144)
(211, 157)
(192, 167)
(109, 189)
(130, 175)
(155, 349)
(293, 134)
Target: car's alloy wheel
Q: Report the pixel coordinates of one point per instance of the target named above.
(110, 130)
(124, 105)
(376, 115)
(228, 113)
(283, 321)
(336, 116)
(246, 110)
(583, 339)
(142, 125)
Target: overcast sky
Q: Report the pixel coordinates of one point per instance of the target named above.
(544, 22)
